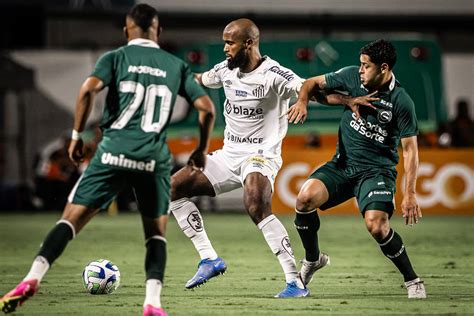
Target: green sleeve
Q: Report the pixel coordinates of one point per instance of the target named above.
(406, 117)
(190, 89)
(345, 79)
(104, 68)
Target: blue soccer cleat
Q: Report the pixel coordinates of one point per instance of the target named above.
(292, 290)
(207, 269)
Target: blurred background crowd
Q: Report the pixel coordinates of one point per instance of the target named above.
(48, 47)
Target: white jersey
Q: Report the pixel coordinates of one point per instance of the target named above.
(254, 106)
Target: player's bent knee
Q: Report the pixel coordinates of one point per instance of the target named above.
(306, 202)
(377, 224)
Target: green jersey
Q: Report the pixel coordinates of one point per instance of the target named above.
(143, 82)
(372, 140)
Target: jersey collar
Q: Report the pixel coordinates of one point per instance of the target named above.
(256, 70)
(143, 42)
(391, 86)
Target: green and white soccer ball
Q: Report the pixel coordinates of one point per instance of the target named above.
(101, 277)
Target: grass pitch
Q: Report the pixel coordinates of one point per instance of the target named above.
(360, 279)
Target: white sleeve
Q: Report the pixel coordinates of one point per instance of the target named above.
(289, 84)
(212, 78)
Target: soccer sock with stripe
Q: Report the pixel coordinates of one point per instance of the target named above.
(51, 248)
(393, 248)
(277, 238)
(307, 225)
(155, 262)
(190, 220)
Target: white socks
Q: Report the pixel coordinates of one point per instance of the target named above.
(38, 269)
(190, 220)
(153, 292)
(277, 238)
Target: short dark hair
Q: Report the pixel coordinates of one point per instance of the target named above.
(380, 51)
(143, 15)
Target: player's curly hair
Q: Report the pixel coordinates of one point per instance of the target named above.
(143, 15)
(380, 51)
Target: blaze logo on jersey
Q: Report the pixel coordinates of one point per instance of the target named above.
(195, 221)
(228, 83)
(242, 110)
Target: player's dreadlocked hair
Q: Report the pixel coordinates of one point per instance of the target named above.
(380, 51)
(143, 15)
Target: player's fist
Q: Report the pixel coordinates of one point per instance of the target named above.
(76, 151)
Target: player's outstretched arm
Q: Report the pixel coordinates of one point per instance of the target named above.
(198, 78)
(410, 209)
(84, 104)
(206, 123)
(298, 111)
(352, 102)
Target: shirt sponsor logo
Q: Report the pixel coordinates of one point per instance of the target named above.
(249, 140)
(368, 129)
(121, 161)
(288, 75)
(147, 70)
(240, 93)
(379, 193)
(386, 103)
(254, 113)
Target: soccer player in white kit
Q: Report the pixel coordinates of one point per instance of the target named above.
(258, 90)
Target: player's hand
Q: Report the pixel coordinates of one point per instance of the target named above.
(410, 209)
(297, 112)
(197, 160)
(76, 151)
(364, 100)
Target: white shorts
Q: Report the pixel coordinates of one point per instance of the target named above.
(227, 172)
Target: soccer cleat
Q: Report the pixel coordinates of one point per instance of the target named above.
(207, 269)
(150, 310)
(292, 290)
(16, 297)
(308, 268)
(416, 288)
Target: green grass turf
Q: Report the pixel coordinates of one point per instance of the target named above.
(360, 279)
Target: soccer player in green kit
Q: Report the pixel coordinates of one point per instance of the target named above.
(365, 160)
(143, 82)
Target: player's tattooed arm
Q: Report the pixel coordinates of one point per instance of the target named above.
(410, 208)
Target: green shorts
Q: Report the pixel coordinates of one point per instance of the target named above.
(100, 184)
(374, 188)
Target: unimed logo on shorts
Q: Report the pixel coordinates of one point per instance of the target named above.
(121, 161)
